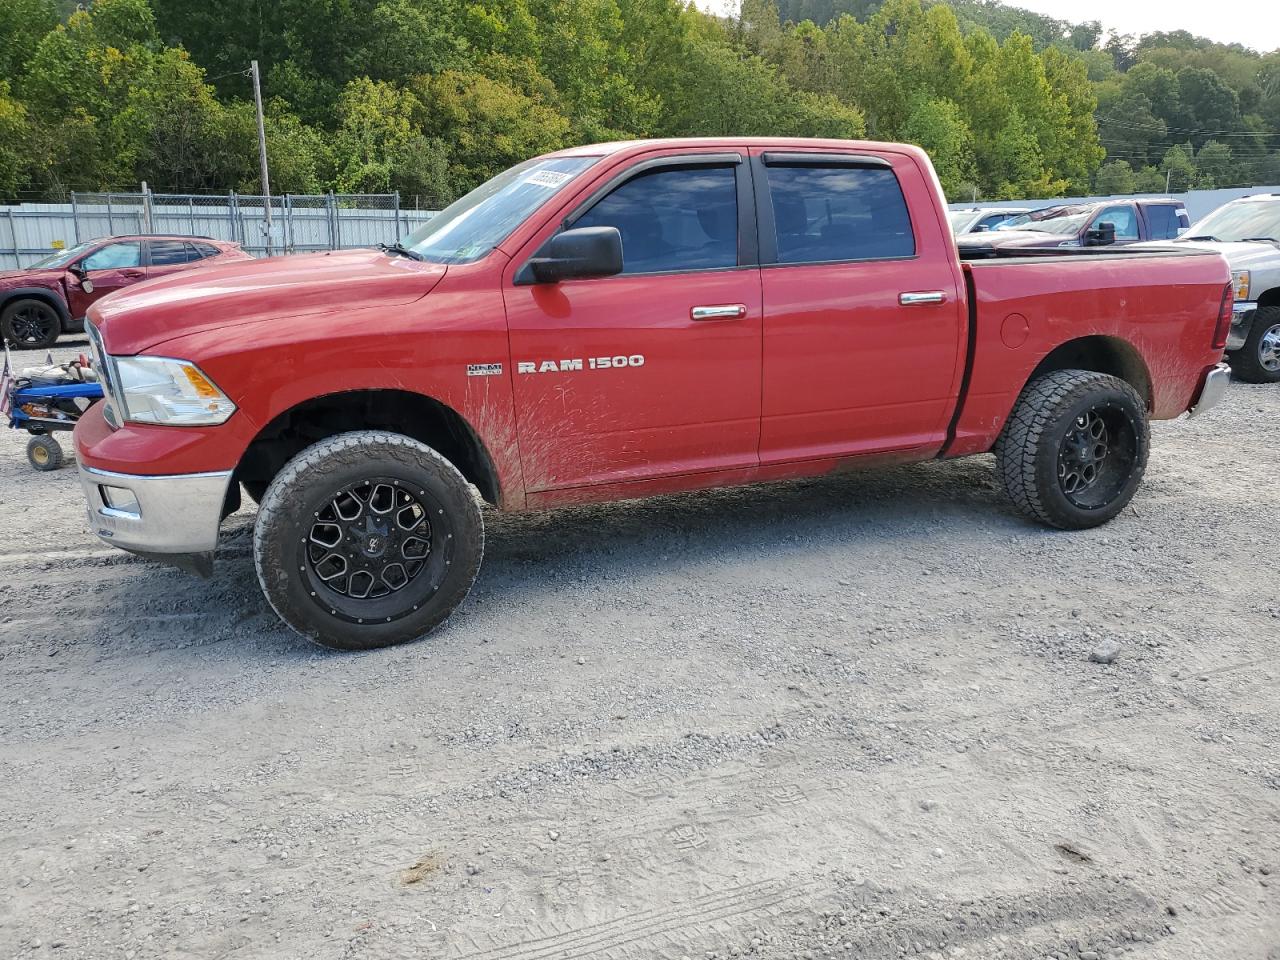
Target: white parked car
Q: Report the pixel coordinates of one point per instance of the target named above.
(1247, 233)
(982, 219)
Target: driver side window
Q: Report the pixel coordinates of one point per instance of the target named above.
(1124, 219)
(671, 220)
(114, 256)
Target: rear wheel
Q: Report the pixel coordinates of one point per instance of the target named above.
(30, 324)
(366, 540)
(1075, 448)
(1258, 361)
(44, 453)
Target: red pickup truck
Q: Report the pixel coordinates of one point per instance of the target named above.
(616, 321)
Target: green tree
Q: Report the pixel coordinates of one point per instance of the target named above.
(1179, 168)
(1114, 178)
(939, 127)
(488, 125)
(1214, 166)
(23, 23)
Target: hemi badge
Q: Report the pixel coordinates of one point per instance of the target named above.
(484, 370)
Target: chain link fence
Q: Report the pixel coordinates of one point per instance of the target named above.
(291, 223)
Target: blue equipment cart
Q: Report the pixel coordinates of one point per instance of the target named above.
(45, 400)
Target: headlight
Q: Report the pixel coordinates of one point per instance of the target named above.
(174, 392)
(1240, 280)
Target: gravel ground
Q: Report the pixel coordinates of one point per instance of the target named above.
(855, 717)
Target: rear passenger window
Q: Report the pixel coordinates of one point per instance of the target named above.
(673, 219)
(1164, 222)
(167, 253)
(839, 213)
(206, 250)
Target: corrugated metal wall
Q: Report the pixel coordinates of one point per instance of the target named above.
(300, 224)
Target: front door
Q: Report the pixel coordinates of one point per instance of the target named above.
(656, 371)
(863, 330)
(107, 269)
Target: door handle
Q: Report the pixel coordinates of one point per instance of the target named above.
(723, 311)
(132, 274)
(922, 297)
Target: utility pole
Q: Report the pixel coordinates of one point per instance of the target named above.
(1168, 176)
(262, 150)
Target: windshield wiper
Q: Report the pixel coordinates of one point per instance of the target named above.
(397, 248)
(1208, 236)
(1260, 240)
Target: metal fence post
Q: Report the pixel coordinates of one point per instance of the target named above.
(191, 209)
(146, 208)
(335, 232)
(397, 202)
(237, 227)
(111, 223)
(75, 217)
(286, 226)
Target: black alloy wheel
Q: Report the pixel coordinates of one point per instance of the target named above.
(372, 540)
(1096, 456)
(30, 325)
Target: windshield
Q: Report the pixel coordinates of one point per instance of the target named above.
(1251, 220)
(1057, 221)
(960, 219)
(60, 258)
(469, 228)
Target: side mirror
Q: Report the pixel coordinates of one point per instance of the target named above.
(1104, 234)
(982, 228)
(579, 254)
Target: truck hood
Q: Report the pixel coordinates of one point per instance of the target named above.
(146, 314)
(1241, 256)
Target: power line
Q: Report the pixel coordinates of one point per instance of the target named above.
(1179, 130)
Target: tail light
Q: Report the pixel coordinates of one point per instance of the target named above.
(1224, 317)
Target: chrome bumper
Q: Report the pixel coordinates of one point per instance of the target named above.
(169, 518)
(1241, 320)
(1215, 385)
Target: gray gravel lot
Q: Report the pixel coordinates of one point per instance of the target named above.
(855, 717)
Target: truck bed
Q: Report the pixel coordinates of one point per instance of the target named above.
(1157, 321)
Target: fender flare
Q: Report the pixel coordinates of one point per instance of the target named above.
(39, 293)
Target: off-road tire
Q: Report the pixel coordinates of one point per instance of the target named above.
(1246, 363)
(309, 483)
(1028, 451)
(16, 316)
(44, 453)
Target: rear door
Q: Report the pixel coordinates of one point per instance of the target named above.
(863, 328)
(108, 269)
(656, 371)
(1162, 221)
(169, 256)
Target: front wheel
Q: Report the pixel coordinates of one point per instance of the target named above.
(366, 540)
(1258, 361)
(30, 325)
(1075, 448)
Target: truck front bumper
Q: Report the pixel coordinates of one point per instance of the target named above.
(170, 518)
(1241, 320)
(1216, 381)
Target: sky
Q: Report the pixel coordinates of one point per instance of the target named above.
(1253, 23)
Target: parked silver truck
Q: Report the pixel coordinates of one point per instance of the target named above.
(1247, 233)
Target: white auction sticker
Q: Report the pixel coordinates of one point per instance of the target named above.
(549, 178)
